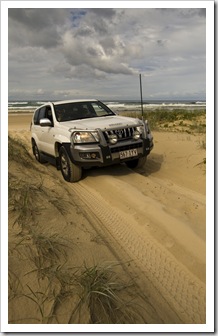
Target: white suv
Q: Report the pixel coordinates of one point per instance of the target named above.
(85, 133)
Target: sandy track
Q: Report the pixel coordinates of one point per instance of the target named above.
(180, 292)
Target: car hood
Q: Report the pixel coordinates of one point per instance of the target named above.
(109, 122)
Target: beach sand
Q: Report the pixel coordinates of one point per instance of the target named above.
(149, 222)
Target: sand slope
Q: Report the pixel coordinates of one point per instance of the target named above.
(152, 221)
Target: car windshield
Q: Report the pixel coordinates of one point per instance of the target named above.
(81, 110)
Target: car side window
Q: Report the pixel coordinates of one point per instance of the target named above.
(42, 113)
(39, 114)
(36, 116)
(48, 114)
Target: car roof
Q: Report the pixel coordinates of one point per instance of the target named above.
(74, 101)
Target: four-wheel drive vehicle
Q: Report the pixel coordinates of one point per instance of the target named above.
(79, 134)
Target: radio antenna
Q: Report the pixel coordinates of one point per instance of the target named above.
(140, 80)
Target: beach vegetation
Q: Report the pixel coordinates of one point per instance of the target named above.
(100, 289)
(43, 270)
(17, 152)
(179, 120)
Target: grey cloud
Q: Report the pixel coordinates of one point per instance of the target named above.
(83, 72)
(46, 38)
(120, 68)
(161, 43)
(24, 16)
(94, 23)
(35, 27)
(94, 59)
(192, 12)
(93, 52)
(66, 47)
(112, 45)
(84, 31)
(28, 56)
(100, 27)
(38, 18)
(101, 20)
(104, 12)
(183, 12)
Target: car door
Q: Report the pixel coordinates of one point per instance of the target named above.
(37, 130)
(47, 132)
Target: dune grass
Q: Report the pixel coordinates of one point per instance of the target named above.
(101, 290)
(23, 200)
(97, 292)
(174, 119)
(18, 152)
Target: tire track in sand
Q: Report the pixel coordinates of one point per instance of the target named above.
(181, 290)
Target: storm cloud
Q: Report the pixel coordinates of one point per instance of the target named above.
(100, 52)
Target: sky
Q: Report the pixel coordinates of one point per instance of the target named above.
(69, 53)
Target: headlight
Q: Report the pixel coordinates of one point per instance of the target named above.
(113, 139)
(141, 129)
(136, 135)
(84, 137)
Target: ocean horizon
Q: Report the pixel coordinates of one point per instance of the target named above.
(116, 105)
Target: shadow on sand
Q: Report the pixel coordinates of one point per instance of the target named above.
(153, 164)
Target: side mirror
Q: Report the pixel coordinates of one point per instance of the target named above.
(45, 122)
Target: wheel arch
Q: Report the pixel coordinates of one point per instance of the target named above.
(66, 146)
(33, 140)
(57, 148)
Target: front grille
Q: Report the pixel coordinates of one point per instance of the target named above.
(122, 133)
(127, 147)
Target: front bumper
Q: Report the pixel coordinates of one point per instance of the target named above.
(90, 155)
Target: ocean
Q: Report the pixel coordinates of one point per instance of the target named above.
(119, 105)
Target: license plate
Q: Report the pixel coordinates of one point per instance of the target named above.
(128, 153)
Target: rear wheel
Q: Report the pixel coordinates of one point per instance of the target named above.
(70, 172)
(137, 163)
(37, 153)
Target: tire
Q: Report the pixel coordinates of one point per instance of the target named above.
(137, 163)
(37, 153)
(70, 172)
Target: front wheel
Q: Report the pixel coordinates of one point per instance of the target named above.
(70, 172)
(137, 163)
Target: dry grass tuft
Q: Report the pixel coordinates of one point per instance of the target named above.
(23, 200)
(101, 291)
(18, 152)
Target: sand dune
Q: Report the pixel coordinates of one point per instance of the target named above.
(150, 221)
